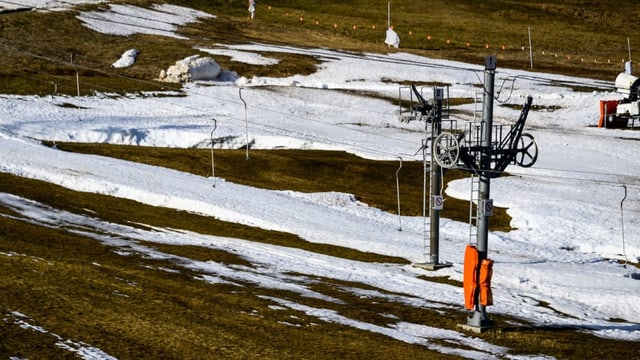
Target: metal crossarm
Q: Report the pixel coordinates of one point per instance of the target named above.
(505, 153)
(424, 108)
(514, 147)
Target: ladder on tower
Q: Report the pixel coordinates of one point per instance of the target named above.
(473, 136)
(427, 197)
(477, 106)
(426, 239)
(473, 209)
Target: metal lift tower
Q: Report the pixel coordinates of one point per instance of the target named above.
(485, 150)
(432, 114)
(478, 318)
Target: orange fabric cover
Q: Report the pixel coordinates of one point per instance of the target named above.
(470, 276)
(486, 270)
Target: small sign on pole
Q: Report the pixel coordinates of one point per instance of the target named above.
(485, 207)
(438, 202)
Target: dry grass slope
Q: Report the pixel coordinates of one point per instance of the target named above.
(575, 38)
(76, 288)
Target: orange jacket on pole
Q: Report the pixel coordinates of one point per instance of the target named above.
(470, 276)
(486, 271)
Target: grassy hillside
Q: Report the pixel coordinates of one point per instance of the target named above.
(43, 49)
(65, 287)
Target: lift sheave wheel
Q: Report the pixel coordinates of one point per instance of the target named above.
(526, 151)
(446, 150)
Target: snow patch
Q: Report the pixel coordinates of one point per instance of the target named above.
(126, 20)
(127, 59)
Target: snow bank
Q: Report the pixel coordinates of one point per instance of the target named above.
(190, 69)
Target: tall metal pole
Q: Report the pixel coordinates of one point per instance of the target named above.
(435, 189)
(436, 181)
(479, 317)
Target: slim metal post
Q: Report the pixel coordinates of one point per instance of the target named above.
(213, 166)
(530, 49)
(53, 118)
(398, 194)
(77, 76)
(246, 122)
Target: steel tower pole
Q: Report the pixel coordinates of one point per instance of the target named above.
(435, 189)
(479, 317)
(435, 182)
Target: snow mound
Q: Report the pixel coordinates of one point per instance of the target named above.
(127, 59)
(331, 198)
(190, 69)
